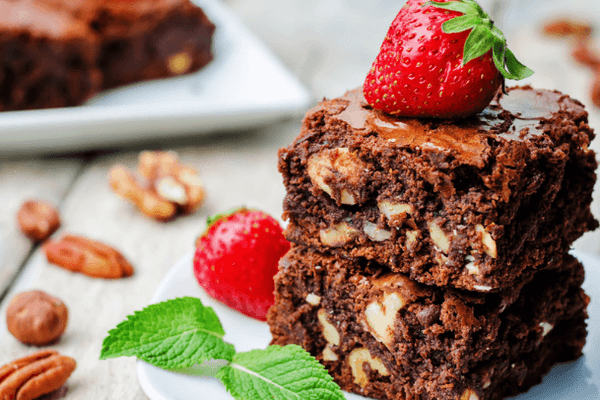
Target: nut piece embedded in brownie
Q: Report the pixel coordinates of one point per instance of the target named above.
(385, 336)
(470, 203)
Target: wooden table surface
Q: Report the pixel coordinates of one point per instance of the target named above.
(329, 46)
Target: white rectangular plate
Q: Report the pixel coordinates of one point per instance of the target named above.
(574, 381)
(243, 87)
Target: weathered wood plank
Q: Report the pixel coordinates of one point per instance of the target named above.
(40, 178)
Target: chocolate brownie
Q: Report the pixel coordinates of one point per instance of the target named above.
(470, 203)
(61, 52)
(385, 336)
(48, 57)
(151, 39)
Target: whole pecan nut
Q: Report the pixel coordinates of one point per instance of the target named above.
(38, 219)
(89, 257)
(35, 375)
(584, 53)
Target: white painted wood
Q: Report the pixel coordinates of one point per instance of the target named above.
(46, 179)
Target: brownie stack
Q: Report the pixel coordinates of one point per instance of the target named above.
(430, 258)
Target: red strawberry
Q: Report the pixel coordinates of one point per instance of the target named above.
(237, 257)
(440, 60)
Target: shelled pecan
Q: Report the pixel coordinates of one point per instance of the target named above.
(38, 219)
(169, 187)
(35, 375)
(566, 27)
(89, 257)
(585, 54)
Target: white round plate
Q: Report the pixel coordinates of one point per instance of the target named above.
(574, 381)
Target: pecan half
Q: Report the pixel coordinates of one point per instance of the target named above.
(170, 187)
(564, 27)
(35, 375)
(89, 257)
(584, 53)
(38, 219)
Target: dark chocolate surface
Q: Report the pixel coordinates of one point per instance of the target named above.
(519, 115)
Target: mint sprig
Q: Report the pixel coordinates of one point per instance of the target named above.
(278, 373)
(484, 36)
(180, 333)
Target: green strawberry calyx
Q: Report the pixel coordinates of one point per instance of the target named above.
(483, 37)
(212, 219)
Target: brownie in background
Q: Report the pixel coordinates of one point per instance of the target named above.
(151, 39)
(57, 53)
(48, 57)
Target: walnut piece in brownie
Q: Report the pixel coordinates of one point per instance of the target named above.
(470, 204)
(384, 336)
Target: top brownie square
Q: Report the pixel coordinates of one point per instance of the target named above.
(470, 203)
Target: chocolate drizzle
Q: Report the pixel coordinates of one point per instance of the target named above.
(516, 116)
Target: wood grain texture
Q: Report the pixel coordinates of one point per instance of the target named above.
(41, 178)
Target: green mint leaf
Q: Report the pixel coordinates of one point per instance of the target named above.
(278, 373)
(518, 70)
(460, 24)
(173, 334)
(478, 43)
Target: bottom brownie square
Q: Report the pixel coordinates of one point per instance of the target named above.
(384, 336)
